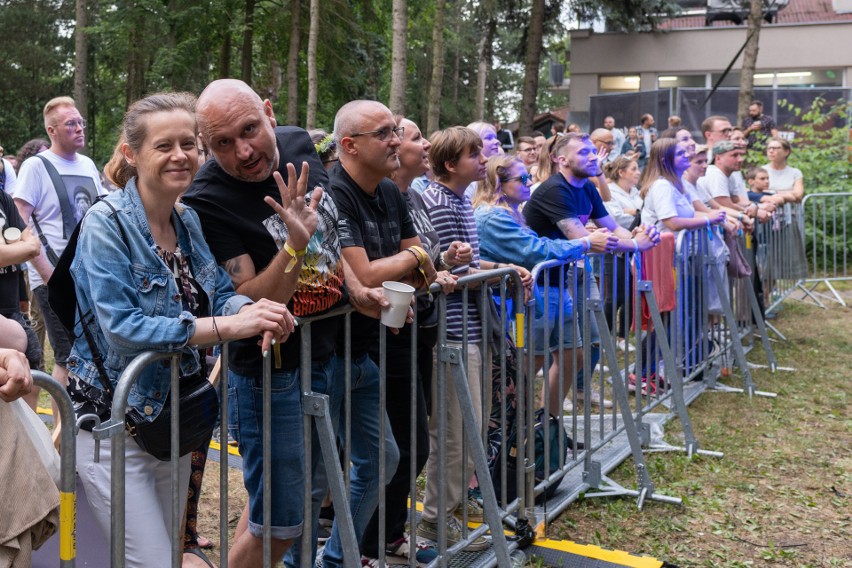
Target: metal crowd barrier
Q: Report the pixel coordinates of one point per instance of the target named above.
(824, 230)
(67, 471)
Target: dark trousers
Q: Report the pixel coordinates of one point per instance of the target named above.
(398, 375)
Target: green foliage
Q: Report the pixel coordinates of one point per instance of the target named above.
(626, 15)
(820, 145)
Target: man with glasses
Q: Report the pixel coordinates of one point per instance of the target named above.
(379, 243)
(45, 199)
(527, 151)
(715, 129)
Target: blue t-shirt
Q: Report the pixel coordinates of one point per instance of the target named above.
(556, 199)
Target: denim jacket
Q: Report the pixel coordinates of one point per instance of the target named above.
(503, 239)
(134, 298)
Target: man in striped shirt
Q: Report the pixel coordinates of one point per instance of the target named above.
(457, 161)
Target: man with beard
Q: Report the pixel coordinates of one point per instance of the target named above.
(758, 126)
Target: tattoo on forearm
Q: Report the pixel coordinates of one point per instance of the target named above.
(571, 227)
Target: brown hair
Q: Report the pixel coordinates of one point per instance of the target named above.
(784, 144)
(564, 140)
(30, 149)
(488, 190)
(544, 168)
(660, 165)
(526, 140)
(614, 169)
(134, 130)
(752, 172)
(448, 146)
(709, 122)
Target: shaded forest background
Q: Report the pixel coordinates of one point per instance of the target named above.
(440, 62)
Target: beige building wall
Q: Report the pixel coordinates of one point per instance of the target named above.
(703, 50)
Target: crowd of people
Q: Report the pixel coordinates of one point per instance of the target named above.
(213, 224)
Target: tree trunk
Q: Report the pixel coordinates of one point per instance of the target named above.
(248, 42)
(399, 65)
(135, 57)
(485, 53)
(293, 64)
(755, 19)
(531, 68)
(457, 59)
(313, 86)
(81, 57)
(433, 115)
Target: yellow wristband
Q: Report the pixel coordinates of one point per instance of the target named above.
(295, 254)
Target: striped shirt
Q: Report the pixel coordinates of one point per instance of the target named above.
(452, 217)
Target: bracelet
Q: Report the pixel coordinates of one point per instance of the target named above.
(216, 328)
(416, 257)
(635, 245)
(295, 254)
(588, 242)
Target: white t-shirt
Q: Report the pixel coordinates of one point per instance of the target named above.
(693, 193)
(738, 186)
(11, 177)
(664, 201)
(716, 183)
(83, 184)
(621, 201)
(782, 180)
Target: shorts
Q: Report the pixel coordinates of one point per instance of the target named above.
(56, 332)
(34, 354)
(547, 332)
(245, 423)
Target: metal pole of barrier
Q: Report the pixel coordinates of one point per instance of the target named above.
(412, 441)
(441, 400)
(114, 428)
(383, 400)
(267, 460)
(67, 481)
(178, 493)
(645, 485)
(223, 458)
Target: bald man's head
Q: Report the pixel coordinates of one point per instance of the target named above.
(601, 137)
(238, 126)
(366, 138)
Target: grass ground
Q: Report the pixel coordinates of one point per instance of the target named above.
(781, 494)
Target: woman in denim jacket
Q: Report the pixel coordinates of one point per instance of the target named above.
(505, 238)
(144, 272)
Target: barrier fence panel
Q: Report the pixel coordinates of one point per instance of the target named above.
(67, 468)
(825, 221)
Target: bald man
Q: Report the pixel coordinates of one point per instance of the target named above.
(604, 142)
(277, 238)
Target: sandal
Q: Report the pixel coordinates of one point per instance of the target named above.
(204, 542)
(197, 552)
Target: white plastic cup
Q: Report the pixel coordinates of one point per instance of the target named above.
(399, 295)
(12, 235)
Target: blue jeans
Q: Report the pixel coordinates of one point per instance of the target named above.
(325, 379)
(365, 446)
(245, 422)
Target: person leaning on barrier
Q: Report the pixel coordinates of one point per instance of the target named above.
(505, 238)
(703, 201)
(144, 271)
(784, 179)
(273, 245)
(562, 206)
(720, 185)
(457, 162)
(380, 241)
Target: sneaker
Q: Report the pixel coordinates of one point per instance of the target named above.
(568, 406)
(624, 346)
(595, 399)
(429, 531)
(366, 561)
(474, 511)
(424, 552)
(323, 534)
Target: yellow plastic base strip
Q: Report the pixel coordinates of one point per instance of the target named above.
(591, 551)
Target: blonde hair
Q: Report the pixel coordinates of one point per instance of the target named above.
(54, 104)
(488, 190)
(660, 165)
(614, 169)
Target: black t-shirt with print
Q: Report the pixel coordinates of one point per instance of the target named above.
(236, 221)
(556, 199)
(377, 223)
(9, 275)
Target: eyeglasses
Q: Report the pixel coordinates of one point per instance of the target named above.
(524, 179)
(774, 148)
(382, 133)
(726, 130)
(72, 124)
(527, 150)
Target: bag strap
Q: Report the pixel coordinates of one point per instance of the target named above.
(69, 220)
(97, 358)
(48, 250)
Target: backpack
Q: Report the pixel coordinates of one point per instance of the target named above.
(555, 431)
(62, 296)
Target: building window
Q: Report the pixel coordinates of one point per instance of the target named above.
(619, 84)
(674, 81)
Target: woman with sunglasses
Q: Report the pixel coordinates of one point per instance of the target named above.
(505, 238)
